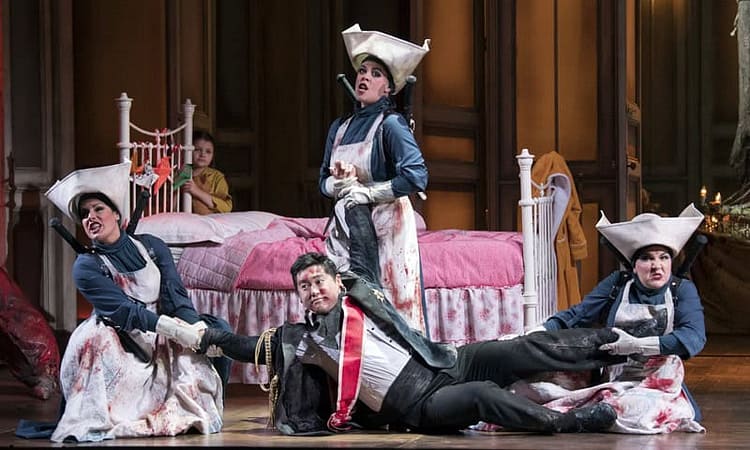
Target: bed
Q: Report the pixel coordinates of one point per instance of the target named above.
(236, 265)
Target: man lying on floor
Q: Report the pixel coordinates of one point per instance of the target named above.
(388, 375)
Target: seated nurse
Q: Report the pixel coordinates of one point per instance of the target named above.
(130, 369)
(659, 320)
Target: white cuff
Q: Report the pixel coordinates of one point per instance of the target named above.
(650, 345)
(328, 186)
(382, 192)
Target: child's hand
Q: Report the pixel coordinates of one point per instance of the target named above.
(189, 187)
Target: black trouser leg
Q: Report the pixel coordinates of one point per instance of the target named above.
(460, 405)
(363, 244)
(504, 362)
(237, 347)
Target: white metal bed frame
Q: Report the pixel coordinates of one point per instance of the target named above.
(540, 264)
(539, 260)
(162, 144)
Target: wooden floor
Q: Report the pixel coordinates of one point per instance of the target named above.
(719, 378)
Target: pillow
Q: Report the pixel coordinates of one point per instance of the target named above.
(235, 222)
(181, 228)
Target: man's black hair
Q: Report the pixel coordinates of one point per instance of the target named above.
(312, 259)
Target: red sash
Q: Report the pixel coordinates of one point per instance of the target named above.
(350, 366)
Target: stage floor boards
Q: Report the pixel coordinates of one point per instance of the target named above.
(719, 379)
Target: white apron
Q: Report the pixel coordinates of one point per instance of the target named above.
(395, 228)
(110, 393)
(640, 320)
(645, 391)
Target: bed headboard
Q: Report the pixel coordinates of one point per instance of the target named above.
(157, 157)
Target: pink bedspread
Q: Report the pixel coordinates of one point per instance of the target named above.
(458, 258)
(260, 260)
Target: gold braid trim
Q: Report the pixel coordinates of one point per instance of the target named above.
(264, 342)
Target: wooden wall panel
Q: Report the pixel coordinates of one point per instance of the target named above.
(577, 80)
(191, 52)
(535, 77)
(449, 67)
(448, 148)
(451, 132)
(449, 209)
(119, 47)
(588, 268)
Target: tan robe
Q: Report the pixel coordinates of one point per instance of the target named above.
(570, 241)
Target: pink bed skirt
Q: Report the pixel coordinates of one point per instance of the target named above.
(456, 315)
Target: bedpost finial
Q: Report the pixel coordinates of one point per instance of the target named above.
(188, 110)
(123, 101)
(525, 158)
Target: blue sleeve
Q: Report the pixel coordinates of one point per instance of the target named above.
(670, 345)
(173, 299)
(409, 172)
(689, 330)
(589, 312)
(324, 166)
(107, 298)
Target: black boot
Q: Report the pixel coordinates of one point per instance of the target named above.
(594, 419)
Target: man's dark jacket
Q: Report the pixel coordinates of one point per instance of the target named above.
(305, 398)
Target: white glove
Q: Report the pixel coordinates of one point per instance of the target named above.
(628, 345)
(535, 329)
(333, 186)
(183, 333)
(362, 195)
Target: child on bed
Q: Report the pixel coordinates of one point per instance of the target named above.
(208, 186)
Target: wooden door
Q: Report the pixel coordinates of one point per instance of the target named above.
(214, 61)
(572, 97)
(633, 198)
(451, 109)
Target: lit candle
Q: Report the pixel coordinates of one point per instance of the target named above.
(704, 192)
(717, 199)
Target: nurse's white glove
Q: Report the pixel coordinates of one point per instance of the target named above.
(535, 329)
(333, 186)
(362, 195)
(185, 334)
(629, 345)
